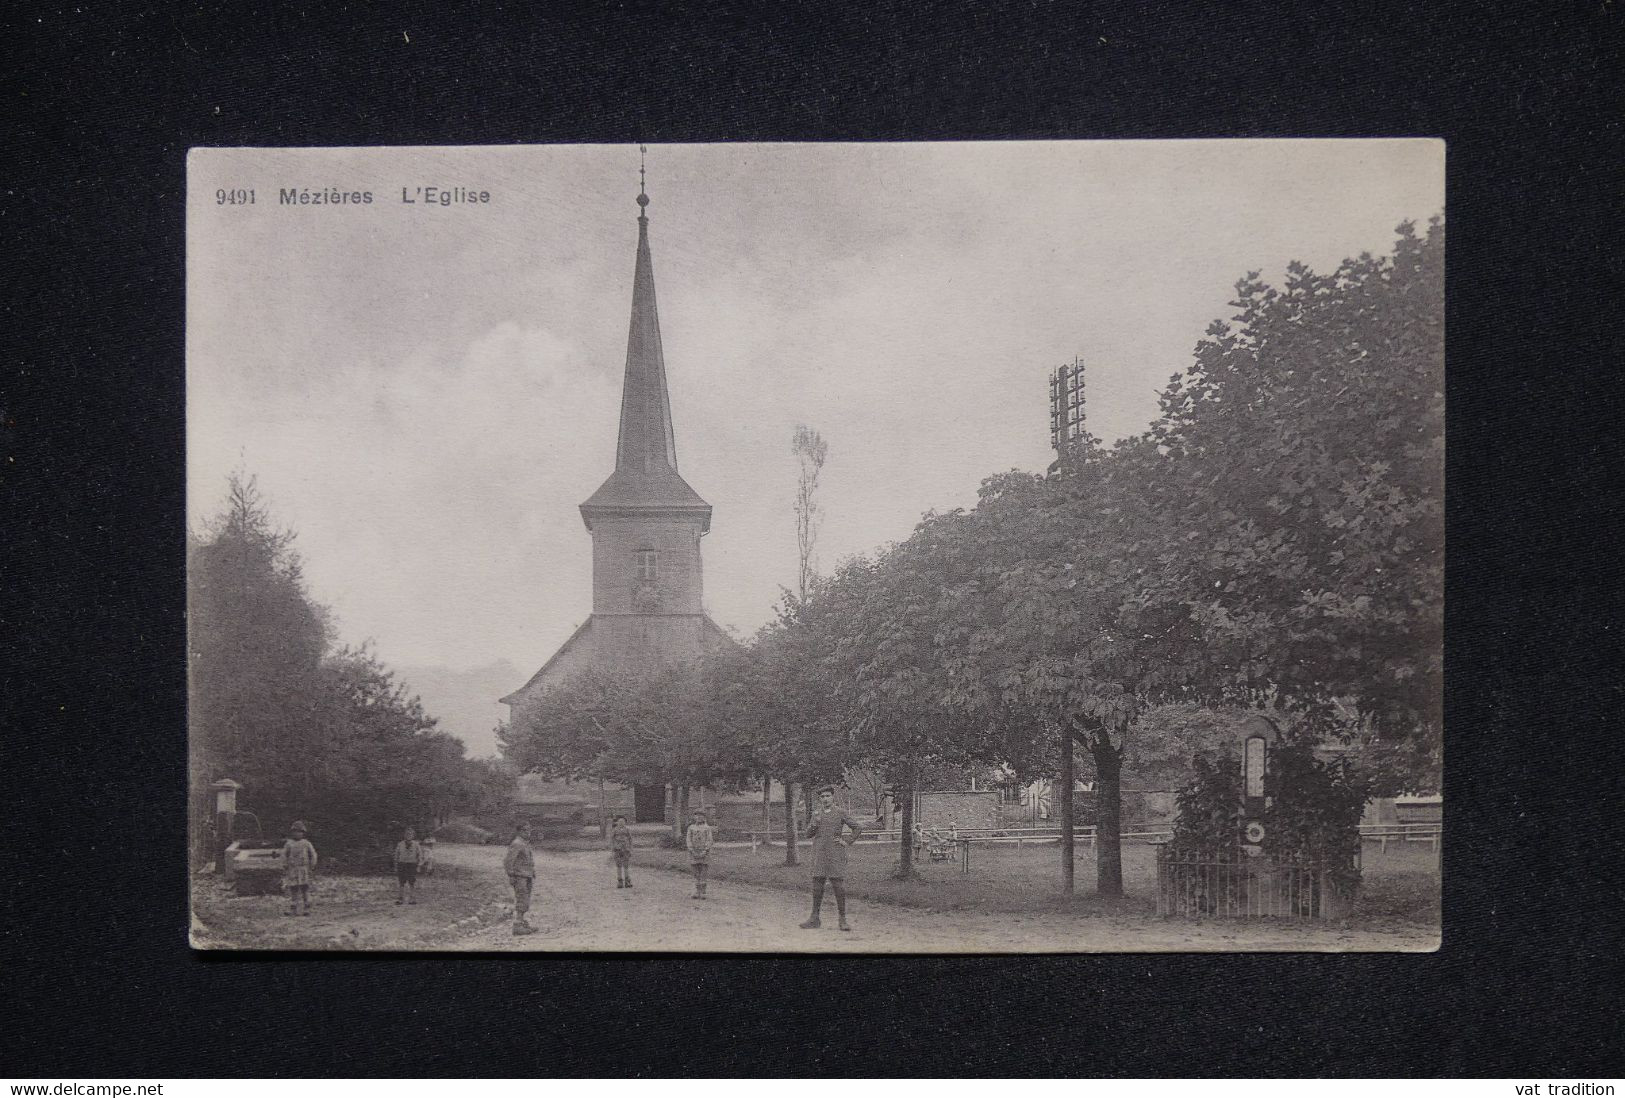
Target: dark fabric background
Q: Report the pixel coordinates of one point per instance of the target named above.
(101, 104)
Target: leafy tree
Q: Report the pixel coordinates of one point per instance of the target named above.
(568, 732)
(1303, 451)
(883, 657)
(800, 724)
(392, 764)
(1273, 540)
(678, 725)
(1050, 630)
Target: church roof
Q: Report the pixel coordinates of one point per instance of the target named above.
(582, 635)
(645, 476)
(570, 642)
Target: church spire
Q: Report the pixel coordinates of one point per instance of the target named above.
(645, 448)
(645, 442)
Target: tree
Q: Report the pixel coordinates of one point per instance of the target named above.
(810, 451)
(1273, 540)
(1304, 450)
(797, 722)
(680, 725)
(882, 629)
(1049, 634)
(392, 764)
(871, 785)
(568, 733)
(255, 645)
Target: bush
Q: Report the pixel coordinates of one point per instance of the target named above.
(1312, 813)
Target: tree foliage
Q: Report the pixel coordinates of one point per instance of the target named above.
(1302, 454)
(311, 730)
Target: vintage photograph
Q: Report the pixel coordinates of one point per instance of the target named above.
(970, 547)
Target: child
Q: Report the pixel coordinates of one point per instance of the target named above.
(698, 842)
(520, 865)
(298, 865)
(408, 854)
(620, 845)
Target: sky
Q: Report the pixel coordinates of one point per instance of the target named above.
(425, 393)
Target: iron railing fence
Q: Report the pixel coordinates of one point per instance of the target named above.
(1231, 884)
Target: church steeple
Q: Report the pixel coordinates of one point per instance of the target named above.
(646, 438)
(648, 581)
(645, 474)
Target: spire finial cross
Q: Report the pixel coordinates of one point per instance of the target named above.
(643, 197)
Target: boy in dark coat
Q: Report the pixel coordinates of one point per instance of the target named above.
(829, 854)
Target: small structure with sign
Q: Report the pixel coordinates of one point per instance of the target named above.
(1229, 874)
(1261, 734)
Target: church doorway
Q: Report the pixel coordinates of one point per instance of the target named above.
(649, 803)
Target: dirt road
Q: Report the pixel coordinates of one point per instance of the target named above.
(577, 907)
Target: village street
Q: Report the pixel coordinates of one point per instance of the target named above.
(467, 906)
(577, 907)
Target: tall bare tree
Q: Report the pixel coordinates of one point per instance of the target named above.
(810, 452)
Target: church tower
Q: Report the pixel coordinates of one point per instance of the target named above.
(646, 524)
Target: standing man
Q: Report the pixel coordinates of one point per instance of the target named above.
(698, 841)
(829, 854)
(520, 865)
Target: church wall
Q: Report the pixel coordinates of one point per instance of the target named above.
(615, 546)
(634, 644)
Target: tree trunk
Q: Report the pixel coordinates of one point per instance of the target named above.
(790, 823)
(905, 857)
(1108, 816)
(1063, 795)
(682, 809)
(676, 813)
(603, 812)
(767, 804)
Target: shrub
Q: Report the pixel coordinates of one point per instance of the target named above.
(1312, 813)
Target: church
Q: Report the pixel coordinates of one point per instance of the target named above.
(646, 524)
